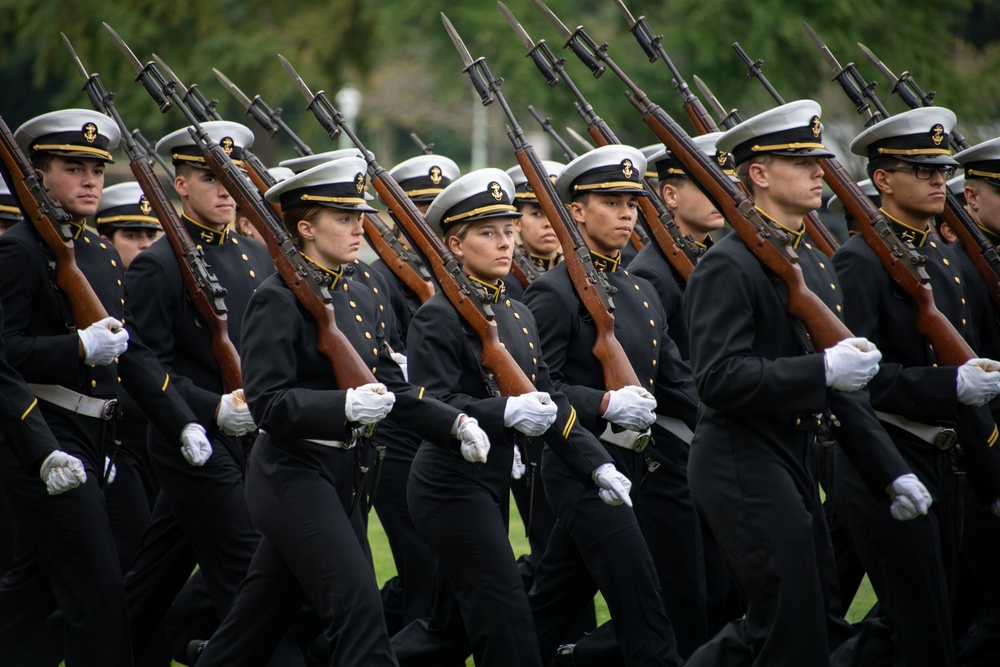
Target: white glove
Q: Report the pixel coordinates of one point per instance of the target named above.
(368, 403)
(531, 414)
(631, 408)
(103, 341)
(995, 506)
(615, 486)
(851, 364)
(518, 468)
(114, 469)
(910, 498)
(61, 472)
(400, 359)
(234, 414)
(475, 443)
(195, 446)
(978, 381)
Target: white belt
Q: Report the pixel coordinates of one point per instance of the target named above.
(675, 426)
(87, 406)
(939, 436)
(630, 440)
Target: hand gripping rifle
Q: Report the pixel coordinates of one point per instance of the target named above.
(203, 110)
(305, 283)
(983, 254)
(771, 246)
(403, 262)
(266, 117)
(202, 287)
(680, 251)
(53, 224)
(591, 286)
(899, 258)
(509, 378)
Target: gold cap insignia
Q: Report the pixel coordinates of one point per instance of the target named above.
(495, 190)
(435, 175)
(227, 145)
(359, 182)
(627, 168)
(721, 157)
(937, 134)
(144, 206)
(90, 132)
(815, 126)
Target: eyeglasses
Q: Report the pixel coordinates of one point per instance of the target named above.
(923, 172)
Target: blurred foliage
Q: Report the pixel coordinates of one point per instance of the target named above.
(397, 54)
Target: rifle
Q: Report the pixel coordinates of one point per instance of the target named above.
(266, 117)
(523, 268)
(204, 110)
(899, 259)
(305, 283)
(591, 286)
(771, 246)
(546, 124)
(510, 379)
(426, 149)
(404, 263)
(201, 285)
(53, 224)
(652, 45)
(983, 254)
(727, 121)
(151, 154)
(821, 235)
(680, 251)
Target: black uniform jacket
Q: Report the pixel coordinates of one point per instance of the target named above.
(651, 264)
(445, 356)
(289, 384)
(909, 381)
(567, 335)
(754, 379)
(168, 322)
(23, 428)
(42, 344)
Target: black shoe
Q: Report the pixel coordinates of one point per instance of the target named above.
(564, 656)
(194, 649)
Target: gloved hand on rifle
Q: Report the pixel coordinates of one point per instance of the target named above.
(233, 415)
(631, 408)
(851, 364)
(978, 381)
(531, 413)
(103, 341)
(369, 403)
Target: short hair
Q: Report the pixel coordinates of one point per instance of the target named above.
(582, 197)
(290, 220)
(883, 162)
(42, 161)
(743, 170)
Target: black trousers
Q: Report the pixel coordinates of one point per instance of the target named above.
(67, 559)
(129, 497)
(594, 547)
(910, 563)
(300, 494)
(200, 518)
(762, 503)
(462, 511)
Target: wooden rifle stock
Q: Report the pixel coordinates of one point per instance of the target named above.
(523, 268)
(510, 379)
(388, 247)
(902, 264)
(53, 224)
(618, 371)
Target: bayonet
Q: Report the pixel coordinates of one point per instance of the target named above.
(579, 138)
(266, 117)
(521, 33)
(76, 59)
(232, 88)
(726, 120)
(850, 80)
(202, 107)
(181, 88)
(577, 40)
